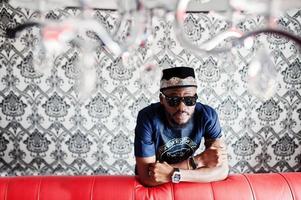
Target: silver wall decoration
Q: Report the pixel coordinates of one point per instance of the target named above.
(49, 125)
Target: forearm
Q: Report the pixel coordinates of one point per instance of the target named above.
(185, 164)
(205, 174)
(202, 174)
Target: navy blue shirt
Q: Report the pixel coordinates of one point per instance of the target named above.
(155, 136)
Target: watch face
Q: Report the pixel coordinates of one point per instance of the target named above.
(176, 177)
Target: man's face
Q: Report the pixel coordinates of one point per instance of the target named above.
(181, 113)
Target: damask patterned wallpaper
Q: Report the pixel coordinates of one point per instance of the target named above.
(45, 129)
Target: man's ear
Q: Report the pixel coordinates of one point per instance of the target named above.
(161, 98)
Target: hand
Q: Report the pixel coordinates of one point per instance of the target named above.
(160, 172)
(213, 156)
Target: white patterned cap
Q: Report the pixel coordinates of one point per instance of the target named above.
(178, 77)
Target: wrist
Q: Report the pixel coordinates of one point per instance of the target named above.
(176, 175)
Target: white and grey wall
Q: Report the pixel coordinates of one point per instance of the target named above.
(44, 129)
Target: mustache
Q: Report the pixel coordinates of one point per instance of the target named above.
(180, 112)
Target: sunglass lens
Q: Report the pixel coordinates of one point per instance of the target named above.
(174, 101)
(189, 101)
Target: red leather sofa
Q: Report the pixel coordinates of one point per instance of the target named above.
(274, 186)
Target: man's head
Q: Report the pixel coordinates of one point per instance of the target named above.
(178, 94)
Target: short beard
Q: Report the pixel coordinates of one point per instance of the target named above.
(173, 123)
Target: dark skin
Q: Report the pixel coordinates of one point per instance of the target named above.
(212, 163)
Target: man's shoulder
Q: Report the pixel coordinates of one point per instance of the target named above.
(152, 109)
(205, 110)
(150, 114)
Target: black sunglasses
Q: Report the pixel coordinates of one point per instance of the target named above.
(175, 101)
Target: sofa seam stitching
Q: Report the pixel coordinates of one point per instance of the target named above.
(39, 189)
(148, 193)
(212, 191)
(287, 184)
(134, 189)
(92, 188)
(172, 191)
(253, 194)
(6, 190)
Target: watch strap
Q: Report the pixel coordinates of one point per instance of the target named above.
(176, 176)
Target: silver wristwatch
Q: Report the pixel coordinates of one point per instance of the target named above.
(176, 176)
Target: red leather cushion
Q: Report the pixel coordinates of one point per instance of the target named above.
(281, 186)
(162, 192)
(25, 188)
(3, 187)
(66, 188)
(294, 181)
(193, 191)
(269, 186)
(234, 187)
(114, 187)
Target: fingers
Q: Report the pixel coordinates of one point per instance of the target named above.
(159, 172)
(219, 144)
(221, 159)
(151, 173)
(219, 147)
(222, 155)
(213, 157)
(154, 174)
(153, 169)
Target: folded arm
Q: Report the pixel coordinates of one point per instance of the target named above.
(147, 174)
(212, 165)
